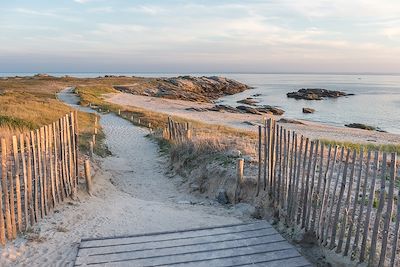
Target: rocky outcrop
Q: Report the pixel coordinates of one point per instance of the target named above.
(364, 127)
(249, 110)
(308, 110)
(241, 109)
(248, 101)
(190, 88)
(284, 120)
(316, 94)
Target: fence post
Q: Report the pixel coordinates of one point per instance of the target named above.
(239, 177)
(259, 159)
(88, 177)
(91, 149)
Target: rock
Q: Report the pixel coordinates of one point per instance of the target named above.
(249, 123)
(270, 110)
(226, 108)
(190, 88)
(364, 127)
(284, 120)
(249, 110)
(248, 101)
(222, 197)
(196, 109)
(316, 94)
(256, 95)
(308, 110)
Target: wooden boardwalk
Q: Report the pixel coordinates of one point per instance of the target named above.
(251, 244)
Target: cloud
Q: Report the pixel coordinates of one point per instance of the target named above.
(101, 10)
(146, 9)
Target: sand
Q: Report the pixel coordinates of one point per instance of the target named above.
(133, 193)
(309, 129)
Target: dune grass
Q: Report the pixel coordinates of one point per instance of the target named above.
(389, 148)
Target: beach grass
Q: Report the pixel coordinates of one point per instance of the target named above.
(389, 148)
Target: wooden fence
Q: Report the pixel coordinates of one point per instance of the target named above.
(177, 131)
(38, 170)
(348, 199)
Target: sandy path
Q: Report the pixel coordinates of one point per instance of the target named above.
(310, 129)
(131, 195)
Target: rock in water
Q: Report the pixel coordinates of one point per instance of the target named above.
(316, 94)
(284, 120)
(308, 110)
(248, 101)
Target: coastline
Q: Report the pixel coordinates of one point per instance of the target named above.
(312, 130)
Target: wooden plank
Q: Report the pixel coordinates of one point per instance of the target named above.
(316, 195)
(44, 171)
(29, 180)
(76, 148)
(355, 202)
(305, 188)
(296, 189)
(36, 175)
(50, 152)
(17, 172)
(309, 195)
(174, 235)
(346, 205)
(292, 176)
(71, 165)
(378, 214)
(303, 180)
(279, 185)
(25, 180)
(73, 151)
(389, 209)
(4, 193)
(268, 233)
(56, 169)
(40, 178)
(284, 168)
(12, 204)
(326, 190)
(259, 159)
(394, 258)
(265, 154)
(339, 201)
(369, 208)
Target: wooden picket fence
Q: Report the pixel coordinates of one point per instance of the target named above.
(39, 169)
(348, 199)
(177, 131)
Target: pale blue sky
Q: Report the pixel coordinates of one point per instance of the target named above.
(200, 36)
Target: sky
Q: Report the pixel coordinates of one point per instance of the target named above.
(200, 36)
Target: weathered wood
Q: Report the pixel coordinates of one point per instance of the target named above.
(296, 189)
(55, 151)
(12, 204)
(378, 214)
(239, 177)
(29, 180)
(44, 171)
(24, 179)
(339, 201)
(346, 205)
(266, 155)
(36, 175)
(76, 148)
(2, 226)
(309, 195)
(305, 188)
(332, 202)
(4, 186)
(389, 208)
(284, 168)
(293, 178)
(88, 177)
(325, 193)
(279, 185)
(17, 182)
(369, 208)
(394, 258)
(317, 194)
(259, 160)
(73, 150)
(352, 212)
(71, 164)
(303, 176)
(49, 136)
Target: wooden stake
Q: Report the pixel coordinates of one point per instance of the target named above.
(4, 186)
(17, 182)
(88, 177)
(239, 177)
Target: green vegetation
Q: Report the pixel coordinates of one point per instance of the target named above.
(366, 146)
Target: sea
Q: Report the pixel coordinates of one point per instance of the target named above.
(376, 99)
